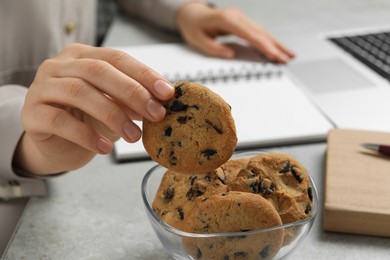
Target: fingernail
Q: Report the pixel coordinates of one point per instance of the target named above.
(155, 109)
(291, 53)
(104, 145)
(132, 132)
(163, 88)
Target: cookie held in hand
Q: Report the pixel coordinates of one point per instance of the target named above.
(198, 133)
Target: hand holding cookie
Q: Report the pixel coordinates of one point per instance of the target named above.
(80, 102)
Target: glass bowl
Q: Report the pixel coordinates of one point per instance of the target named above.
(184, 245)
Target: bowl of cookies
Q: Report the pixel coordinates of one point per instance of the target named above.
(257, 205)
(206, 202)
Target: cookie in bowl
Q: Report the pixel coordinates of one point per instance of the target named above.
(234, 212)
(178, 192)
(196, 231)
(283, 181)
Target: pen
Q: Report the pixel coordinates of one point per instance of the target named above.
(381, 148)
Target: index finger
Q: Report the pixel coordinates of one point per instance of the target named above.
(160, 87)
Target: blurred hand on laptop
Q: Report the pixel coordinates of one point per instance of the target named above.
(200, 25)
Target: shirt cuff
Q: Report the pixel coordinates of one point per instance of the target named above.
(21, 187)
(11, 184)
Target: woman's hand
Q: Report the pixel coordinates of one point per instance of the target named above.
(200, 24)
(83, 100)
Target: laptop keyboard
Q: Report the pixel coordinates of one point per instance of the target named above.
(371, 49)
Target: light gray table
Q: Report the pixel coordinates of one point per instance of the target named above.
(97, 212)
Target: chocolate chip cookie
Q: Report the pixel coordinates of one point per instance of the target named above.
(177, 193)
(198, 133)
(233, 212)
(283, 181)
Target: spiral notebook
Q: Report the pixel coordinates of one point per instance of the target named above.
(267, 108)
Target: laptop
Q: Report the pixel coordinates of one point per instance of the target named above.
(347, 75)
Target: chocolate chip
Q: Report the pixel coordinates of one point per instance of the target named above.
(220, 175)
(159, 152)
(178, 143)
(169, 193)
(181, 213)
(207, 178)
(296, 173)
(179, 91)
(174, 143)
(240, 253)
(239, 237)
(198, 254)
(193, 193)
(308, 209)
(286, 168)
(310, 193)
(226, 257)
(236, 237)
(254, 186)
(168, 131)
(183, 119)
(265, 252)
(172, 158)
(267, 187)
(208, 153)
(214, 126)
(221, 180)
(178, 106)
(192, 179)
(206, 228)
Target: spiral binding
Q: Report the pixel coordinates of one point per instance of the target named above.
(254, 72)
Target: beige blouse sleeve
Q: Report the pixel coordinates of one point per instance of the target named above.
(11, 184)
(159, 12)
